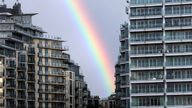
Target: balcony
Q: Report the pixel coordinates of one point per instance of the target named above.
(31, 61)
(179, 67)
(21, 77)
(123, 37)
(147, 55)
(31, 88)
(31, 98)
(55, 91)
(58, 65)
(31, 79)
(54, 56)
(124, 84)
(11, 65)
(155, 25)
(8, 95)
(147, 92)
(52, 73)
(52, 82)
(182, 93)
(22, 97)
(178, 2)
(21, 68)
(124, 60)
(123, 48)
(54, 47)
(124, 95)
(21, 87)
(31, 70)
(147, 68)
(136, 3)
(52, 100)
(11, 85)
(11, 75)
(31, 51)
(11, 106)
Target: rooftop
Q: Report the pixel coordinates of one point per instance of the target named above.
(15, 10)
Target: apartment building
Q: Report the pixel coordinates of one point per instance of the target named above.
(109, 102)
(32, 65)
(70, 89)
(82, 92)
(51, 72)
(154, 68)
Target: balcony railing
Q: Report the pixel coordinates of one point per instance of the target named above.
(52, 82)
(11, 75)
(21, 96)
(21, 77)
(54, 65)
(64, 48)
(31, 97)
(52, 90)
(10, 95)
(53, 99)
(148, 91)
(21, 87)
(10, 85)
(60, 56)
(59, 73)
(31, 88)
(123, 83)
(31, 78)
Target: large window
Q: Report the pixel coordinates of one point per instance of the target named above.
(146, 11)
(148, 101)
(141, 24)
(179, 74)
(146, 62)
(179, 100)
(147, 75)
(179, 48)
(178, 22)
(182, 9)
(179, 87)
(146, 36)
(179, 61)
(146, 49)
(178, 35)
(148, 88)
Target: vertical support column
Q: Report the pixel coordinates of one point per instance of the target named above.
(129, 50)
(164, 57)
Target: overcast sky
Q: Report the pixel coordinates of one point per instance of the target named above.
(53, 17)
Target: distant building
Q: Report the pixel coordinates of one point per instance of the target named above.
(109, 102)
(82, 93)
(86, 95)
(70, 89)
(94, 102)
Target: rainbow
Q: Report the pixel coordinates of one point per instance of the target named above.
(93, 41)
